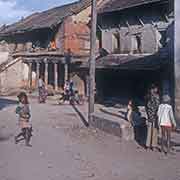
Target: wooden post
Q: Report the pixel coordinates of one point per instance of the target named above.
(65, 72)
(37, 73)
(68, 57)
(92, 61)
(56, 76)
(46, 72)
(30, 76)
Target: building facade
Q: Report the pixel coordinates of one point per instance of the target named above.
(52, 43)
(137, 37)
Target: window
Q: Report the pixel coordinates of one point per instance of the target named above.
(136, 45)
(163, 39)
(139, 45)
(115, 43)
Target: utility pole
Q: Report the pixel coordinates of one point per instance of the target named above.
(92, 67)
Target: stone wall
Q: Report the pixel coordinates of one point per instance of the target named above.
(4, 57)
(11, 78)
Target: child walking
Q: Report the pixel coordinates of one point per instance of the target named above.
(166, 122)
(24, 115)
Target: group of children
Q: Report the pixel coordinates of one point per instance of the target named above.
(165, 119)
(70, 93)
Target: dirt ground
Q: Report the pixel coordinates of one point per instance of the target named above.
(64, 149)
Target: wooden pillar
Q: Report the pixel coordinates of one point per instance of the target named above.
(92, 61)
(37, 72)
(56, 76)
(67, 64)
(65, 72)
(46, 73)
(30, 76)
(87, 86)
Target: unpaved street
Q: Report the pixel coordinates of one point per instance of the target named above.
(64, 149)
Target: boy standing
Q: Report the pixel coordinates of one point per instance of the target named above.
(166, 122)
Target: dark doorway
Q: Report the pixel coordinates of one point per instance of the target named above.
(51, 74)
(122, 85)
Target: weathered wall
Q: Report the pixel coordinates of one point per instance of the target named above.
(4, 52)
(4, 57)
(59, 38)
(79, 84)
(126, 36)
(11, 78)
(74, 33)
(139, 22)
(16, 75)
(77, 37)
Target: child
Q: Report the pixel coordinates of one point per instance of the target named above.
(24, 115)
(166, 122)
(129, 110)
(135, 119)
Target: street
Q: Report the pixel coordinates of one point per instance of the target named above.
(63, 148)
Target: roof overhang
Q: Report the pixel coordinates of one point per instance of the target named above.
(50, 57)
(131, 62)
(112, 6)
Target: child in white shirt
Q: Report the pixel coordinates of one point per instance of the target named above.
(166, 122)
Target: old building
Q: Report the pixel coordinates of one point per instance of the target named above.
(52, 43)
(135, 38)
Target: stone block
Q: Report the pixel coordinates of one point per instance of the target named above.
(120, 129)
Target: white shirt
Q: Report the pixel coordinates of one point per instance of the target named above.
(165, 115)
(40, 83)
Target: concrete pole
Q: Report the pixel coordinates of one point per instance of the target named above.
(92, 61)
(56, 76)
(177, 62)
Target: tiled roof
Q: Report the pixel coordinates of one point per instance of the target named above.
(46, 19)
(117, 5)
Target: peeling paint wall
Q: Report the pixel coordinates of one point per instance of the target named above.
(148, 26)
(12, 78)
(74, 33)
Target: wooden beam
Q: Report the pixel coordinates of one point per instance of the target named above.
(142, 23)
(166, 18)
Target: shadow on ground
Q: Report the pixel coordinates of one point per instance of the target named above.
(6, 102)
(5, 137)
(114, 114)
(81, 116)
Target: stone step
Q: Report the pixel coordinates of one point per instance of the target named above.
(114, 126)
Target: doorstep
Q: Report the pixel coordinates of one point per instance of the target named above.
(112, 125)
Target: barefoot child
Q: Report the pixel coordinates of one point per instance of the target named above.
(166, 122)
(135, 119)
(24, 115)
